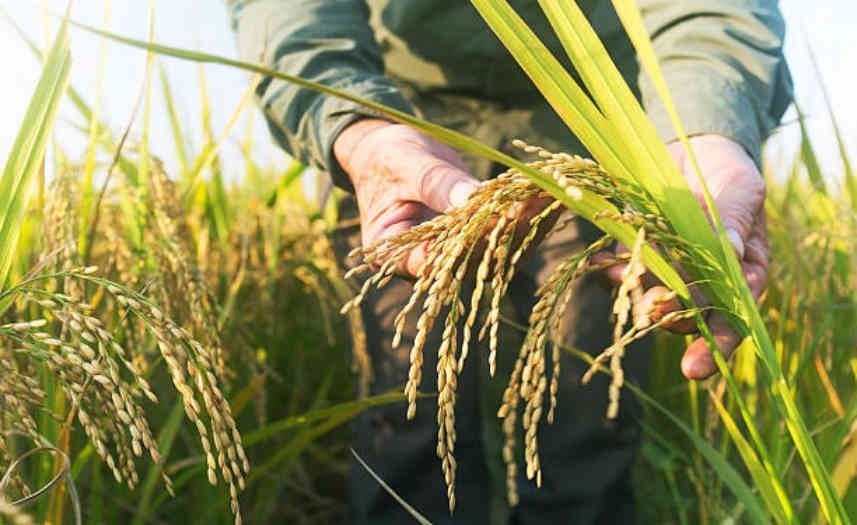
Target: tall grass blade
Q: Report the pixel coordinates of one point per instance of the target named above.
(808, 155)
(292, 173)
(88, 189)
(215, 198)
(143, 161)
(744, 301)
(727, 474)
(638, 140)
(566, 97)
(850, 179)
(215, 194)
(283, 458)
(656, 170)
(27, 153)
(773, 494)
(690, 226)
(251, 170)
(278, 427)
(175, 124)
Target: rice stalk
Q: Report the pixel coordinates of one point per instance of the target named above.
(105, 385)
(484, 240)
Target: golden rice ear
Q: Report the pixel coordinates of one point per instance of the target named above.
(487, 236)
(630, 291)
(94, 369)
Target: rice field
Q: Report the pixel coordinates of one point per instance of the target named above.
(175, 345)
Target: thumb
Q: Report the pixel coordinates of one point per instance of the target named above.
(737, 242)
(441, 185)
(738, 217)
(737, 186)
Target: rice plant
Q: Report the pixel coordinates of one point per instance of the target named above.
(183, 290)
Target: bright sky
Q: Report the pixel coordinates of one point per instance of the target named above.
(828, 26)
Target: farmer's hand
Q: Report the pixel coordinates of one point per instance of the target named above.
(401, 178)
(738, 191)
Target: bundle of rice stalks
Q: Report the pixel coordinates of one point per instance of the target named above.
(100, 340)
(106, 387)
(483, 234)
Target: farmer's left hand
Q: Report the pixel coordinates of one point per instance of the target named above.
(738, 191)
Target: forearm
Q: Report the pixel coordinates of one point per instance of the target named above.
(326, 41)
(724, 65)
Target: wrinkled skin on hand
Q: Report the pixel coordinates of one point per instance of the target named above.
(738, 192)
(401, 178)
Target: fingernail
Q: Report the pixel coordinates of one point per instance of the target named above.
(737, 243)
(460, 192)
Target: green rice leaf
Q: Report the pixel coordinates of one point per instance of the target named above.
(27, 154)
(86, 111)
(850, 177)
(769, 487)
(727, 474)
(175, 125)
(144, 160)
(742, 302)
(278, 427)
(808, 155)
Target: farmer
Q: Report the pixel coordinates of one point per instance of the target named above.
(723, 62)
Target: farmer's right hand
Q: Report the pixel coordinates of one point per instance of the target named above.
(738, 191)
(401, 178)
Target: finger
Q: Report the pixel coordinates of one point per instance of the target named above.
(526, 211)
(450, 155)
(737, 188)
(396, 219)
(383, 222)
(614, 272)
(659, 301)
(530, 208)
(738, 212)
(757, 277)
(755, 264)
(698, 363)
(415, 259)
(439, 184)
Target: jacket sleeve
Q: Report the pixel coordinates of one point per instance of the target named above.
(724, 65)
(326, 41)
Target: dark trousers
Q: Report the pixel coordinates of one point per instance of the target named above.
(585, 458)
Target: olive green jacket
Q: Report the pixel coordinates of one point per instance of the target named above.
(722, 59)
